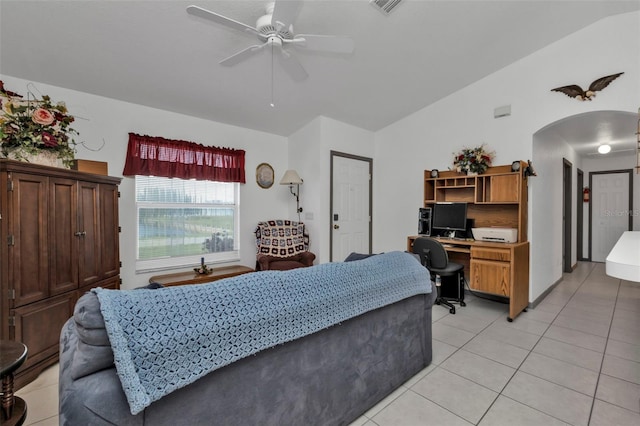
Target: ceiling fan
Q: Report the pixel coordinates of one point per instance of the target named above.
(275, 30)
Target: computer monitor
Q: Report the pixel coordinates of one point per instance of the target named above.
(449, 218)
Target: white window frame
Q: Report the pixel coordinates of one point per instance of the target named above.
(193, 260)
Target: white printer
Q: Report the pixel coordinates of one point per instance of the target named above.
(499, 235)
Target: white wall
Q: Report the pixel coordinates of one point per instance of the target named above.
(305, 151)
(428, 138)
(100, 118)
(310, 154)
(545, 218)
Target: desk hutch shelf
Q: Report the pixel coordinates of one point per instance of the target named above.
(497, 197)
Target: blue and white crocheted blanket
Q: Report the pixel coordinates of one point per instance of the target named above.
(165, 339)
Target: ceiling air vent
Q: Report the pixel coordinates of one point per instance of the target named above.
(385, 6)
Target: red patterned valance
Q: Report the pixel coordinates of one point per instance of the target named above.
(156, 156)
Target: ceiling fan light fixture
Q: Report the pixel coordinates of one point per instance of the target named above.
(275, 28)
(604, 149)
(384, 6)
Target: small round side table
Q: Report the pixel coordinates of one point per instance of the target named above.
(14, 409)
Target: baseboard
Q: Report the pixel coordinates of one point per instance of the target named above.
(544, 294)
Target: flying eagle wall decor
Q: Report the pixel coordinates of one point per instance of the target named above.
(575, 91)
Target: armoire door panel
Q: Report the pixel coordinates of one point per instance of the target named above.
(109, 243)
(27, 239)
(63, 262)
(89, 229)
(38, 325)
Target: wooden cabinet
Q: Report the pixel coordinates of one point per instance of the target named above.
(490, 270)
(59, 238)
(503, 271)
(496, 198)
(499, 188)
(490, 277)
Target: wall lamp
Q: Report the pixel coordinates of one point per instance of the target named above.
(292, 178)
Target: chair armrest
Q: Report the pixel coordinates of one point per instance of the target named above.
(306, 258)
(264, 261)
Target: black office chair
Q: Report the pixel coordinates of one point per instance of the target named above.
(434, 257)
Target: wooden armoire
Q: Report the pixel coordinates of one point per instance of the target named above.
(59, 237)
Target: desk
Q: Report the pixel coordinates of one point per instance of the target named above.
(14, 409)
(500, 269)
(190, 277)
(624, 259)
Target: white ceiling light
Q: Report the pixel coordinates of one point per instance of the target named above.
(604, 149)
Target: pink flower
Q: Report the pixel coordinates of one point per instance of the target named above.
(42, 116)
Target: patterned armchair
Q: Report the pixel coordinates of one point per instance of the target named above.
(282, 245)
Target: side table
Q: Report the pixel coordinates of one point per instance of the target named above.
(14, 409)
(182, 278)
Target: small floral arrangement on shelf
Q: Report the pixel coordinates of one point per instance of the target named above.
(31, 126)
(202, 269)
(473, 160)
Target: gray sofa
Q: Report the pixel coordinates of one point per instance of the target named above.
(330, 377)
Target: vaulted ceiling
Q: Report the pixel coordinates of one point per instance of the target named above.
(153, 53)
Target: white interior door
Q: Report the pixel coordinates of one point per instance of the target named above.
(609, 212)
(350, 216)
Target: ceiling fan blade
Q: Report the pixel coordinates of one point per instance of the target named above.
(219, 19)
(284, 13)
(292, 66)
(326, 43)
(241, 55)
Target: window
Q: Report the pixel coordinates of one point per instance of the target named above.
(180, 221)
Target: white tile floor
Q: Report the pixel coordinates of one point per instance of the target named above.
(574, 359)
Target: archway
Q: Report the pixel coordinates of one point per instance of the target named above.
(575, 139)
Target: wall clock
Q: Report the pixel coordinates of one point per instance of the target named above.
(264, 175)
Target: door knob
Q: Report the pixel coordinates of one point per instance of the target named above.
(336, 226)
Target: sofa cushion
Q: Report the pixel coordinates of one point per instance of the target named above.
(87, 312)
(358, 256)
(94, 349)
(89, 359)
(150, 286)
